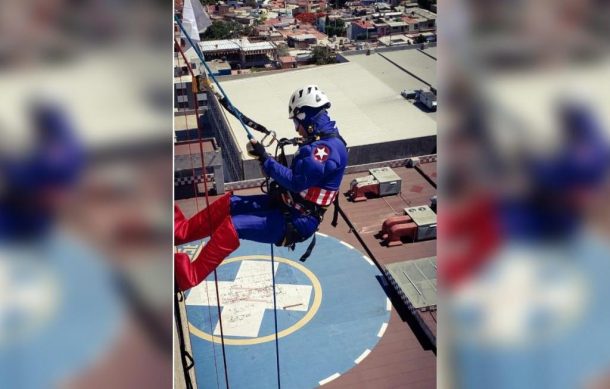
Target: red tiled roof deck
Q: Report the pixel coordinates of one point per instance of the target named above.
(363, 24)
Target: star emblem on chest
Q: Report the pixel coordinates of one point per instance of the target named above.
(321, 153)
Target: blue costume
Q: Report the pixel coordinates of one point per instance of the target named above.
(314, 177)
(292, 210)
(283, 217)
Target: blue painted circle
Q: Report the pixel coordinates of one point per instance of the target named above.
(352, 312)
(80, 325)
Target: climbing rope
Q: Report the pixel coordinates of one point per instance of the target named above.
(186, 358)
(207, 200)
(240, 117)
(277, 343)
(231, 109)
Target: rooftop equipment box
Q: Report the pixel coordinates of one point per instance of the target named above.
(425, 219)
(389, 182)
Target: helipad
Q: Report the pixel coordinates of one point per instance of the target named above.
(331, 311)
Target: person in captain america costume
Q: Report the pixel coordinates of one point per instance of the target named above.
(287, 215)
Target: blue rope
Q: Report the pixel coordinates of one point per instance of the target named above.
(210, 73)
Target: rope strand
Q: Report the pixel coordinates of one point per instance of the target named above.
(277, 343)
(207, 201)
(197, 208)
(239, 117)
(211, 74)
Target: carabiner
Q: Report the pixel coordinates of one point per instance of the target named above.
(273, 139)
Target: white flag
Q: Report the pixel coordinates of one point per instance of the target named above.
(189, 22)
(194, 19)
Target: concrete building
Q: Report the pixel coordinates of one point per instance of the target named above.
(266, 33)
(240, 52)
(307, 6)
(395, 26)
(377, 123)
(302, 41)
(189, 175)
(302, 57)
(420, 20)
(287, 62)
(245, 19)
(219, 67)
(185, 98)
(411, 21)
(224, 9)
(395, 40)
(361, 29)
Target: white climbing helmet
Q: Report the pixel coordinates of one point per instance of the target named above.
(308, 96)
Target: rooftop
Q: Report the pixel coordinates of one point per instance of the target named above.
(304, 28)
(303, 37)
(272, 22)
(411, 20)
(395, 39)
(430, 51)
(364, 24)
(424, 13)
(287, 59)
(192, 147)
(185, 122)
(395, 24)
(402, 358)
(367, 217)
(416, 62)
(187, 155)
(224, 44)
(234, 44)
(391, 75)
(359, 112)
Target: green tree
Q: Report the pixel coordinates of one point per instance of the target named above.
(261, 20)
(248, 31)
(223, 30)
(336, 27)
(322, 55)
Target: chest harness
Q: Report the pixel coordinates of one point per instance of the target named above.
(289, 202)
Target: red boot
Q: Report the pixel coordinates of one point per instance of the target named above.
(223, 242)
(203, 224)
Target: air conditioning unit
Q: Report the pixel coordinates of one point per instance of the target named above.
(389, 181)
(425, 219)
(361, 186)
(381, 182)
